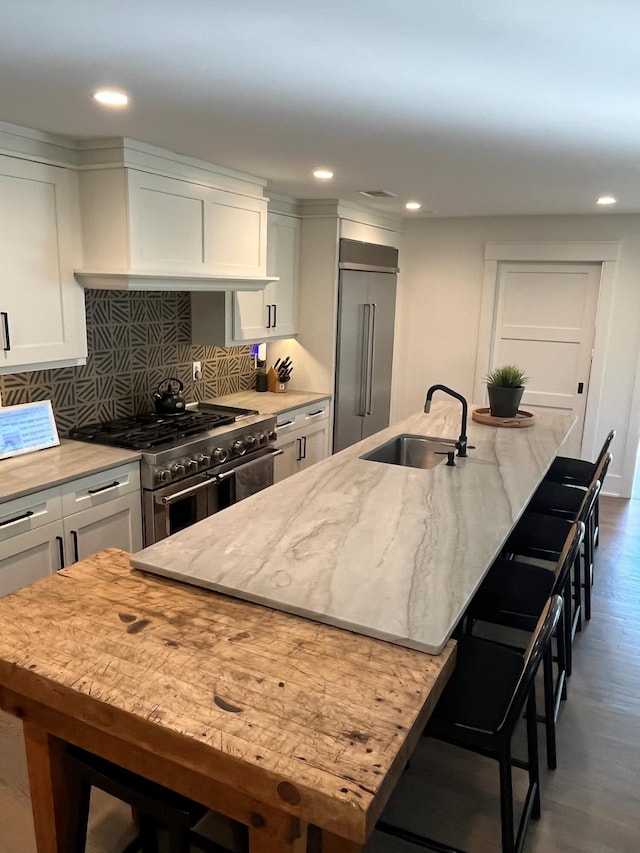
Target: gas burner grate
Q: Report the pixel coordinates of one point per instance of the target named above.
(141, 432)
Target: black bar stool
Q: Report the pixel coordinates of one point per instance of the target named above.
(479, 710)
(156, 807)
(576, 503)
(580, 472)
(514, 594)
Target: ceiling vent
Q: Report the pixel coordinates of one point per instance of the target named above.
(377, 194)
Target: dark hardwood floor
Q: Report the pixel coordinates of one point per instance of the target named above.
(590, 804)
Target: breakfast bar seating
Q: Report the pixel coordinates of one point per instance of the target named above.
(479, 710)
(579, 472)
(513, 595)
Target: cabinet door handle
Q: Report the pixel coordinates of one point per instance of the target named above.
(6, 340)
(97, 491)
(275, 315)
(268, 316)
(74, 536)
(16, 518)
(60, 542)
(303, 442)
(299, 453)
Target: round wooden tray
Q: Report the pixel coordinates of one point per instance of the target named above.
(520, 419)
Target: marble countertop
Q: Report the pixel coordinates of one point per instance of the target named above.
(384, 550)
(268, 403)
(42, 469)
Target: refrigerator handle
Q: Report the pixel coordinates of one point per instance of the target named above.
(364, 358)
(372, 349)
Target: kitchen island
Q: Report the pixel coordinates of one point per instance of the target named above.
(272, 720)
(385, 550)
(277, 721)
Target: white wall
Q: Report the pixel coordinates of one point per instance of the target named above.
(439, 294)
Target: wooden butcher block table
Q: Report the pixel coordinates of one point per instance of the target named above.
(271, 719)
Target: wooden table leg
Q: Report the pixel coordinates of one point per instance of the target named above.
(285, 835)
(54, 796)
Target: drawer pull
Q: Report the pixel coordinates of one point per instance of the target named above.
(283, 424)
(97, 491)
(18, 518)
(315, 414)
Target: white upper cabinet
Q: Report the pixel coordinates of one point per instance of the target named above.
(150, 226)
(42, 319)
(272, 313)
(245, 317)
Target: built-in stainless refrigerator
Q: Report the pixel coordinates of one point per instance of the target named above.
(366, 316)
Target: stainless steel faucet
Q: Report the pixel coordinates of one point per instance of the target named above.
(461, 443)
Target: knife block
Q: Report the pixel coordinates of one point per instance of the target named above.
(273, 384)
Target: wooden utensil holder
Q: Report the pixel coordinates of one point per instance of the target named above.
(274, 384)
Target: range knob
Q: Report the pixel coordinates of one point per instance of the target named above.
(163, 475)
(219, 454)
(272, 435)
(203, 460)
(178, 470)
(192, 465)
(238, 447)
(261, 438)
(250, 441)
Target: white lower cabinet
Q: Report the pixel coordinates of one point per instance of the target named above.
(116, 524)
(45, 531)
(27, 557)
(303, 436)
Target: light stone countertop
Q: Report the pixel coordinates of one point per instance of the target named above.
(43, 469)
(384, 550)
(268, 403)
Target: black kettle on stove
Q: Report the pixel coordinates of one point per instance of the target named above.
(168, 399)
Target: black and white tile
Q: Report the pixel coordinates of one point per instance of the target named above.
(136, 340)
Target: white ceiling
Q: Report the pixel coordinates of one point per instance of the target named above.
(472, 107)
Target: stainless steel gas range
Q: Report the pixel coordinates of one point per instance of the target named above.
(193, 464)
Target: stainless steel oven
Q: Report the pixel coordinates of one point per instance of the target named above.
(193, 464)
(178, 505)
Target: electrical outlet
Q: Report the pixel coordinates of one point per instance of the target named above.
(197, 370)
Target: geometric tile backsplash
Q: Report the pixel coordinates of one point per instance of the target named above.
(135, 341)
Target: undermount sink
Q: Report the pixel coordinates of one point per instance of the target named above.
(413, 451)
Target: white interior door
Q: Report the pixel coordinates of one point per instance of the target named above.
(545, 323)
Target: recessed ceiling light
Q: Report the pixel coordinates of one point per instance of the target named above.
(111, 98)
(323, 174)
(413, 205)
(606, 199)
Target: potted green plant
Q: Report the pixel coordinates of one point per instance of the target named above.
(505, 386)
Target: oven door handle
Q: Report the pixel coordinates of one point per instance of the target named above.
(167, 500)
(218, 478)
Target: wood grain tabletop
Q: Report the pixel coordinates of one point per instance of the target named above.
(312, 720)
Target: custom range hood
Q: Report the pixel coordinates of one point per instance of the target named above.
(155, 220)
